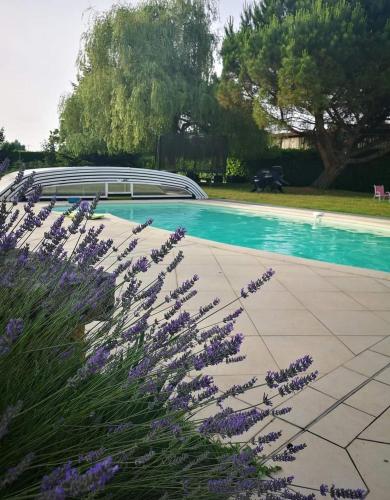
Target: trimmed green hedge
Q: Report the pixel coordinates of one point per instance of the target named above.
(302, 167)
(24, 156)
(42, 159)
(363, 177)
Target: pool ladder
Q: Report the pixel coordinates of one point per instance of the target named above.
(317, 218)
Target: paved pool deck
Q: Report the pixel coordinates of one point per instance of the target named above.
(340, 316)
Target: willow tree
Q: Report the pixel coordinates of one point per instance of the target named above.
(142, 71)
(318, 68)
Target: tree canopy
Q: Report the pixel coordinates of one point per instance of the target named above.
(8, 147)
(320, 68)
(143, 71)
(235, 120)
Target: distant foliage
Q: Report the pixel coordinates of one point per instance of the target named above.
(7, 148)
(320, 68)
(143, 71)
(236, 168)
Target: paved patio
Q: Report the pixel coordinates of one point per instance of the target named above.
(341, 317)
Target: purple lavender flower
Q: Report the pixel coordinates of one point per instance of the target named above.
(180, 403)
(235, 390)
(69, 278)
(297, 384)
(140, 266)
(173, 310)
(33, 197)
(116, 429)
(203, 310)
(4, 166)
(151, 292)
(19, 177)
(157, 255)
(94, 363)
(269, 438)
(281, 411)
(218, 351)
(288, 454)
(217, 332)
(175, 262)
(198, 383)
(141, 370)
(13, 473)
(66, 481)
(53, 238)
(14, 328)
(166, 424)
(275, 484)
(44, 212)
(141, 227)
(254, 286)
(84, 206)
(227, 486)
(220, 486)
(121, 268)
(145, 458)
(235, 359)
(175, 325)
(98, 360)
(295, 495)
(134, 331)
(12, 332)
(208, 393)
(273, 379)
(92, 456)
(92, 250)
(6, 418)
(130, 247)
(295, 448)
(228, 423)
(234, 315)
(182, 289)
(342, 492)
(324, 489)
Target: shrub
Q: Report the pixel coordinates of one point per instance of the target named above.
(236, 170)
(113, 412)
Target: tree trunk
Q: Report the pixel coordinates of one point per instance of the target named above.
(334, 160)
(327, 177)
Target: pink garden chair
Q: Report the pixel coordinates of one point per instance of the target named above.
(380, 193)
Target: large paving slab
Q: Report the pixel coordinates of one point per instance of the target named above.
(338, 314)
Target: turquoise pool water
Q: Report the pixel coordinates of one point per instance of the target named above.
(273, 234)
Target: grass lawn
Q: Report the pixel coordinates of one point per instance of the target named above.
(307, 197)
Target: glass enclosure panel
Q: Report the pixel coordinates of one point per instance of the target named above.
(119, 187)
(150, 190)
(75, 189)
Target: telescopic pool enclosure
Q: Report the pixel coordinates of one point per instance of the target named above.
(86, 182)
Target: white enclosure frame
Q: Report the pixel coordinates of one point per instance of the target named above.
(63, 176)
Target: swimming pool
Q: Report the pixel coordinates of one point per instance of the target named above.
(263, 232)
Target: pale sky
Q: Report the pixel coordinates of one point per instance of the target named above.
(40, 40)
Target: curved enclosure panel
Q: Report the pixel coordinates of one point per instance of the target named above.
(86, 182)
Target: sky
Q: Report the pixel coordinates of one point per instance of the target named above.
(39, 47)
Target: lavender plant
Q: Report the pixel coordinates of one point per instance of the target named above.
(114, 412)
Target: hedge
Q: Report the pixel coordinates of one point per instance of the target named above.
(302, 167)
(43, 159)
(24, 156)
